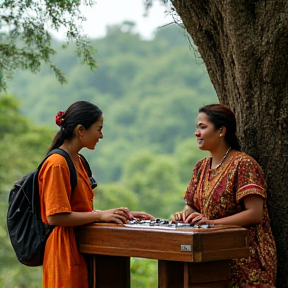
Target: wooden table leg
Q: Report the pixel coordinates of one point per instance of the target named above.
(172, 274)
(109, 271)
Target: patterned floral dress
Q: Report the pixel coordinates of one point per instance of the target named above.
(218, 193)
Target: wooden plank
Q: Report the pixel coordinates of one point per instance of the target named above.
(231, 253)
(187, 258)
(208, 271)
(112, 271)
(170, 274)
(193, 275)
(147, 244)
(141, 253)
(189, 245)
(217, 284)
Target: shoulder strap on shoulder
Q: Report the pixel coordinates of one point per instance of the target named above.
(73, 175)
(86, 165)
(89, 172)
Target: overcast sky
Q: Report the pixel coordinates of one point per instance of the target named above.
(110, 12)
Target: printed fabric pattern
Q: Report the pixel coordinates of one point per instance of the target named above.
(218, 193)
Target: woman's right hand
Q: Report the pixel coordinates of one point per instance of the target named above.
(180, 216)
(187, 215)
(194, 217)
(117, 215)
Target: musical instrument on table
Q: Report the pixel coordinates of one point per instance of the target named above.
(164, 224)
(188, 256)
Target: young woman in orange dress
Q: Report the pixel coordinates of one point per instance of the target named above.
(229, 188)
(64, 266)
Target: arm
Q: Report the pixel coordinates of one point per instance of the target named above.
(119, 216)
(189, 209)
(253, 213)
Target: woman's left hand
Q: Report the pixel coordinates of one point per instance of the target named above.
(142, 215)
(194, 218)
(198, 218)
(122, 211)
(202, 220)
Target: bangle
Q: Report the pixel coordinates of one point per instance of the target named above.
(96, 211)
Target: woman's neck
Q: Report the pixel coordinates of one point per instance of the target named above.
(219, 157)
(70, 148)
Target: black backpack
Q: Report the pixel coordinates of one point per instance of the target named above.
(28, 234)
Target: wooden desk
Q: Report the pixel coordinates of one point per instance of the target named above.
(187, 258)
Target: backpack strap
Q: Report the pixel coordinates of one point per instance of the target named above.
(73, 175)
(89, 172)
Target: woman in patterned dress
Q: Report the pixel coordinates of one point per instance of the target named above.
(229, 188)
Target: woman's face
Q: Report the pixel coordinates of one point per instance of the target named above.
(207, 137)
(93, 134)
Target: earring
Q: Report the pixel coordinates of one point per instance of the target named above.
(220, 135)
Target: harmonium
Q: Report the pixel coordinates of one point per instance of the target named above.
(188, 256)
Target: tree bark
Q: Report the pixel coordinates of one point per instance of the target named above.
(244, 44)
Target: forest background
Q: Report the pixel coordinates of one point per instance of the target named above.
(150, 93)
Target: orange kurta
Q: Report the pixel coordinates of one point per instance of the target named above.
(64, 266)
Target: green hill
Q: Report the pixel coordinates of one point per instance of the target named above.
(150, 93)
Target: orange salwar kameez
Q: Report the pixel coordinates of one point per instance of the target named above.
(64, 266)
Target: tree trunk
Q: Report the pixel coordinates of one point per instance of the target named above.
(244, 45)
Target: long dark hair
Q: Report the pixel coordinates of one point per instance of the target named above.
(221, 115)
(80, 112)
